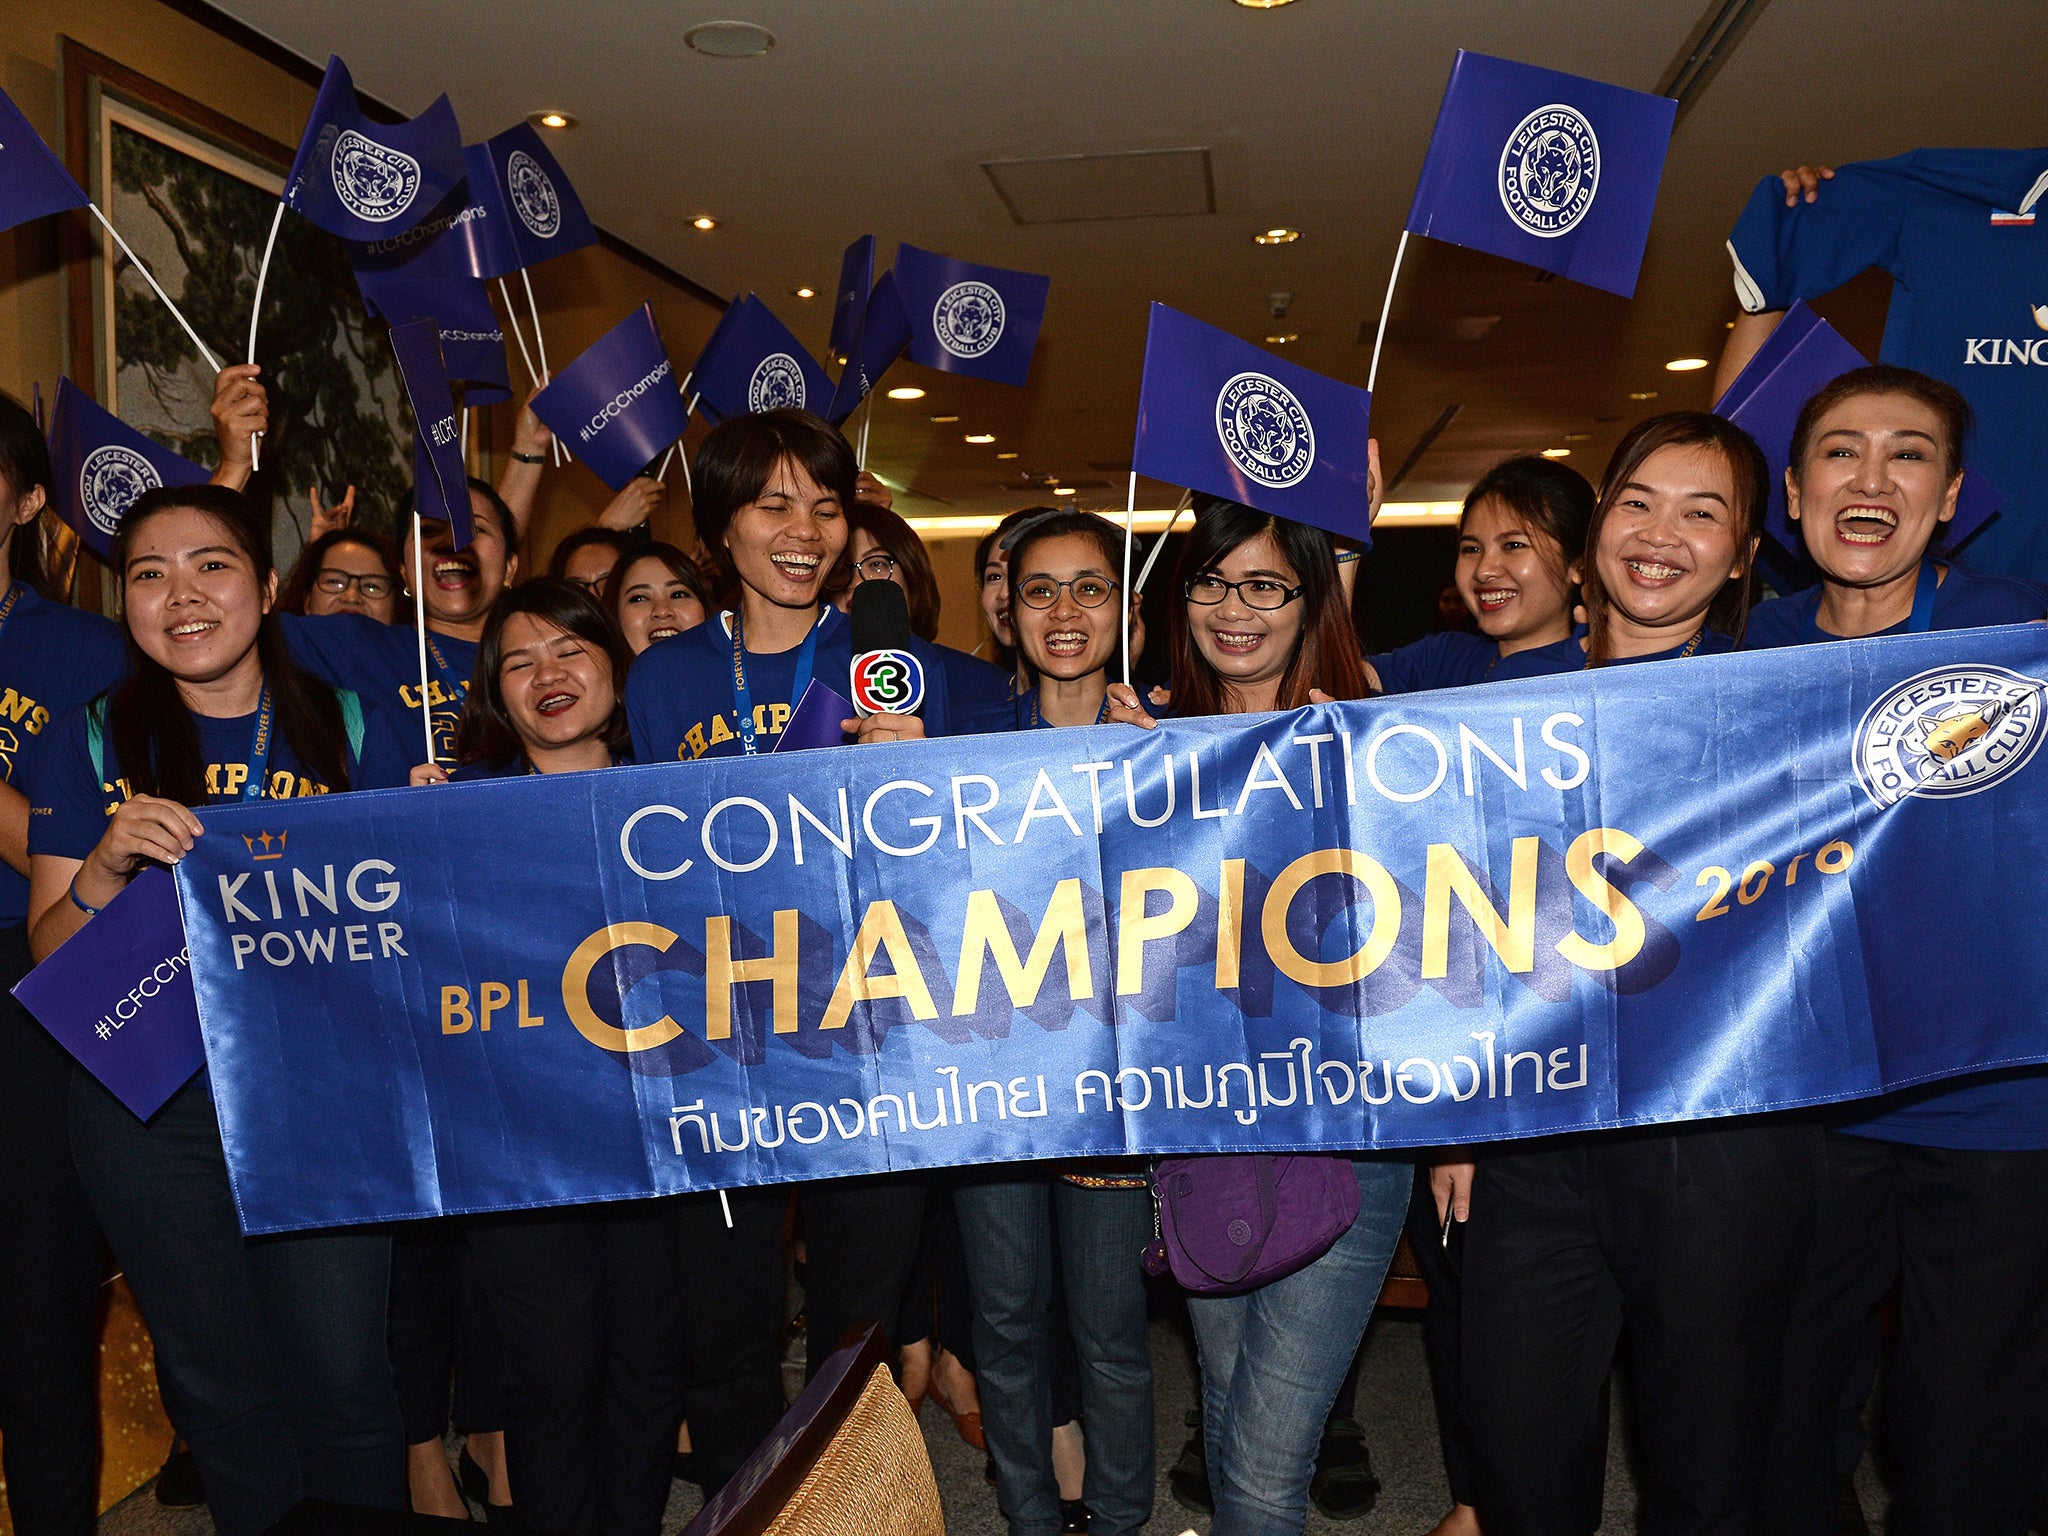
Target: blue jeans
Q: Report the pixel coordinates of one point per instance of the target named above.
(1006, 1235)
(1272, 1361)
(271, 1350)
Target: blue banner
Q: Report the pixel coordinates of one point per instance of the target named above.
(546, 217)
(99, 465)
(365, 180)
(968, 318)
(33, 181)
(1544, 167)
(617, 405)
(440, 482)
(472, 341)
(850, 302)
(883, 333)
(1632, 895)
(752, 363)
(468, 235)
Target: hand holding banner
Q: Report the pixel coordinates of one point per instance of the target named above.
(100, 465)
(617, 404)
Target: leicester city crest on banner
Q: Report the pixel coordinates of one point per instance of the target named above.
(1953, 731)
(374, 182)
(1550, 170)
(778, 384)
(533, 195)
(968, 319)
(1265, 430)
(110, 480)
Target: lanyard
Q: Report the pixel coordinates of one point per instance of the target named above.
(7, 603)
(259, 750)
(442, 670)
(743, 696)
(1038, 721)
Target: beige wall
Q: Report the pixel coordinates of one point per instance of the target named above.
(580, 296)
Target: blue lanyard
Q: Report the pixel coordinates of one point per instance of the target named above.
(259, 750)
(442, 670)
(7, 603)
(743, 696)
(1039, 722)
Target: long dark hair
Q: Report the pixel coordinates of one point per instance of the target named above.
(24, 465)
(487, 734)
(913, 563)
(1552, 498)
(1729, 610)
(291, 597)
(1326, 656)
(155, 741)
(673, 560)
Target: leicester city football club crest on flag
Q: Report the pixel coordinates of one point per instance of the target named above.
(1949, 732)
(1265, 430)
(1550, 170)
(778, 384)
(532, 195)
(374, 182)
(968, 319)
(110, 480)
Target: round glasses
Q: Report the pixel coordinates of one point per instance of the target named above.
(1087, 591)
(1258, 592)
(877, 567)
(373, 588)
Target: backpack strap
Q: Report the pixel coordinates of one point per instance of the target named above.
(96, 736)
(352, 717)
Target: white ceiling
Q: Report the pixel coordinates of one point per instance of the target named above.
(876, 116)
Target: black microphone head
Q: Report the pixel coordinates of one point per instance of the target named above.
(881, 617)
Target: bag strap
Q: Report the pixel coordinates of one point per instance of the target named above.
(96, 736)
(352, 717)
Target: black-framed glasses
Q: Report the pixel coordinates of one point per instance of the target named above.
(335, 582)
(876, 567)
(1260, 592)
(1088, 591)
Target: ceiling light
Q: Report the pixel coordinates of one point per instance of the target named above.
(730, 39)
(1642, 394)
(1264, 5)
(1281, 338)
(704, 222)
(1277, 236)
(1006, 455)
(942, 420)
(1557, 453)
(552, 120)
(1063, 490)
(906, 392)
(805, 293)
(1685, 365)
(981, 437)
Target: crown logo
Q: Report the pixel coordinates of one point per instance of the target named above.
(272, 844)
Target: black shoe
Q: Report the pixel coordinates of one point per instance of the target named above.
(988, 1470)
(682, 1468)
(1849, 1519)
(1188, 1478)
(178, 1485)
(1073, 1518)
(1344, 1487)
(476, 1487)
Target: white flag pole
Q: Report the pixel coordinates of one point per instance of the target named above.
(867, 413)
(204, 351)
(1130, 521)
(256, 313)
(419, 615)
(540, 345)
(512, 315)
(1386, 308)
(1186, 498)
(662, 473)
(689, 410)
(465, 439)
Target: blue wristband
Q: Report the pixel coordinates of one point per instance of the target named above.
(79, 902)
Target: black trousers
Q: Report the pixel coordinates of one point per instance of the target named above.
(1965, 1235)
(441, 1324)
(935, 1302)
(51, 1259)
(1442, 1267)
(590, 1316)
(1695, 1239)
(861, 1237)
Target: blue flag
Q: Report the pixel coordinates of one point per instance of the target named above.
(544, 216)
(100, 464)
(970, 319)
(472, 341)
(1546, 168)
(1220, 415)
(369, 181)
(467, 235)
(441, 482)
(856, 281)
(753, 364)
(33, 181)
(883, 333)
(617, 406)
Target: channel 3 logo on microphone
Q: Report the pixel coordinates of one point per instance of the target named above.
(887, 682)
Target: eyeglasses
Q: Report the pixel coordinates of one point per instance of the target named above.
(1258, 592)
(1087, 591)
(876, 568)
(373, 588)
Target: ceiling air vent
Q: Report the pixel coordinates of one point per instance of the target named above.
(1137, 184)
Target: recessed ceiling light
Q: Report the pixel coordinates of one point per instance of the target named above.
(944, 419)
(1281, 338)
(1557, 453)
(704, 221)
(552, 120)
(1063, 490)
(730, 39)
(906, 392)
(1006, 455)
(1642, 394)
(1685, 365)
(981, 437)
(1264, 5)
(1279, 235)
(805, 293)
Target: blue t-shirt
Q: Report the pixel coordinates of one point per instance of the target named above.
(74, 799)
(381, 663)
(1994, 1111)
(978, 695)
(1966, 599)
(52, 659)
(681, 702)
(1968, 253)
(1457, 658)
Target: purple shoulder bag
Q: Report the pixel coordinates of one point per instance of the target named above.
(1230, 1223)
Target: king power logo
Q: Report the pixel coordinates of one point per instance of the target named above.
(2010, 352)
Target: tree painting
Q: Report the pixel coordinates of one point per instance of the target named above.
(337, 408)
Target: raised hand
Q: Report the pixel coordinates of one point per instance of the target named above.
(327, 520)
(1804, 182)
(241, 414)
(635, 505)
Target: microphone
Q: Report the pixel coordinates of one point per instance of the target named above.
(887, 678)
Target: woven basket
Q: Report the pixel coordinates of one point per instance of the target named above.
(874, 1479)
